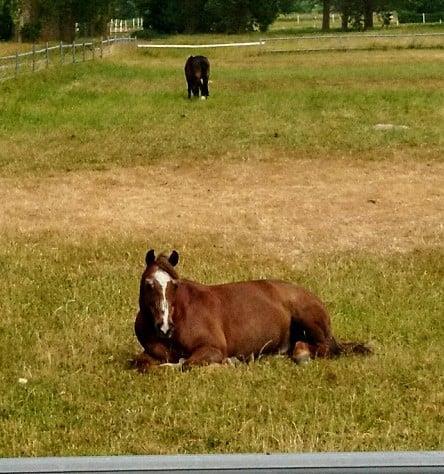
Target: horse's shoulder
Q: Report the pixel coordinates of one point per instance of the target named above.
(190, 289)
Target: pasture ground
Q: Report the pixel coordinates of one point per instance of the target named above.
(281, 173)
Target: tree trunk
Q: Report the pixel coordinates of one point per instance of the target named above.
(344, 20)
(326, 15)
(191, 10)
(67, 26)
(368, 14)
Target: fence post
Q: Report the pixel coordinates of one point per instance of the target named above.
(423, 17)
(73, 52)
(298, 18)
(16, 63)
(46, 55)
(62, 57)
(101, 47)
(83, 52)
(33, 57)
(93, 49)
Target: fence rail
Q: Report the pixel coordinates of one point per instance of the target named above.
(63, 53)
(428, 462)
(197, 46)
(316, 38)
(351, 36)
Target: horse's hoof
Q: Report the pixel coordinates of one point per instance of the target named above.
(302, 359)
(301, 353)
(233, 361)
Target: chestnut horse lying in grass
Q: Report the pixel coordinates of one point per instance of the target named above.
(203, 324)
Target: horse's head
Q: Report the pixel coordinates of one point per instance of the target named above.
(157, 291)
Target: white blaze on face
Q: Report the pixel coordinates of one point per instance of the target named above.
(162, 279)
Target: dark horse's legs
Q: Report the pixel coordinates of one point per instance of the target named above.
(204, 88)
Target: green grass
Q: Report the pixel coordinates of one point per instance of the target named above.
(131, 109)
(68, 299)
(67, 315)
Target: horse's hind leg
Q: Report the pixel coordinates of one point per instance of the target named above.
(301, 353)
(311, 333)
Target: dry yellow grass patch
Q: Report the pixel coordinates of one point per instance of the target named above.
(11, 47)
(284, 207)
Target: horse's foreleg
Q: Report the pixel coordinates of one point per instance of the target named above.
(144, 362)
(205, 91)
(155, 354)
(204, 355)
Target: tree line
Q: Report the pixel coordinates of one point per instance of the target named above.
(55, 19)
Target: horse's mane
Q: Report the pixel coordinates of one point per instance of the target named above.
(163, 263)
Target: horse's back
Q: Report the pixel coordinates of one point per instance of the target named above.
(250, 317)
(194, 63)
(204, 64)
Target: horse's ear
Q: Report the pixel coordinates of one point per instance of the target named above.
(174, 258)
(150, 257)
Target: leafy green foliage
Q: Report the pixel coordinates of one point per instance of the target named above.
(126, 9)
(232, 16)
(31, 31)
(6, 22)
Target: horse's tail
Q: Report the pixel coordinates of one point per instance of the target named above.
(349, 348)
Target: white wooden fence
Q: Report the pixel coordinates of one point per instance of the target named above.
(325, 42)
(125, 26)
(63, 53)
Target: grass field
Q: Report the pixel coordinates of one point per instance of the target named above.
(281, 173)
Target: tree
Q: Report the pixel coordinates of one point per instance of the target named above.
(368, 14)
(263, 12)
(326, 7)
(306, 6)
(358, 13)
(420, 6)
(287, 6)
(58, 17)
(229, 16)
(125, 9)
(6, 20)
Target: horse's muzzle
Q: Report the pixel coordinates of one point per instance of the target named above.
(164, 335)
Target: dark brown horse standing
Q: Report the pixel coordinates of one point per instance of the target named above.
(210, 323)
(197, 73)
